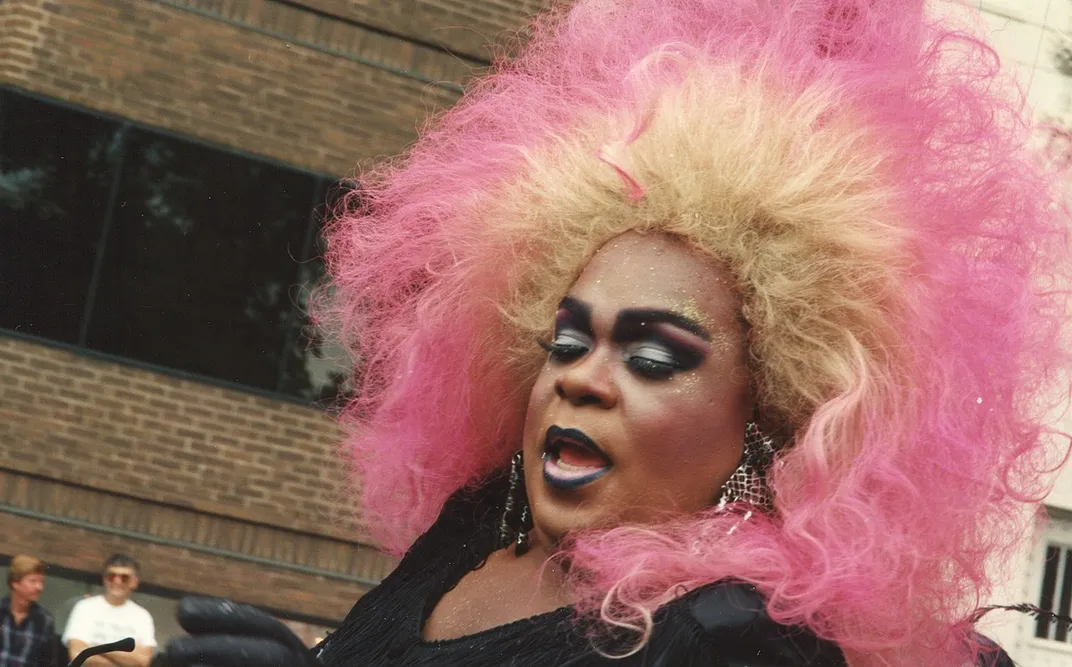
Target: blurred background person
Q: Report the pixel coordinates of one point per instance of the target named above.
(27, 631)
(112, 616)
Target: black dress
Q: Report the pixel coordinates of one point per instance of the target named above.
(721, 625)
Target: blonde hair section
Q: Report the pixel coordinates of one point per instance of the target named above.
(783, 188)
(23, 566)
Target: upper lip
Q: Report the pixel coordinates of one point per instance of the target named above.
(557, 435)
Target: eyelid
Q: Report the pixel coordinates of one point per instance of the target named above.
(573, 334)
(667, 352)
(681, 337)
(679, 353)
(573, 315)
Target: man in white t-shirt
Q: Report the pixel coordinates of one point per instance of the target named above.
(113, 616)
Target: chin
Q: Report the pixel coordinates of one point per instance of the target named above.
(556, 517)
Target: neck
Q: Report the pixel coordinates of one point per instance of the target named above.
(114, 601)
(544, 545)
(546, 553)
(19, 605)
(549, 572)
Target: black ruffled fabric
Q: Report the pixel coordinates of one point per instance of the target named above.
(721, 625)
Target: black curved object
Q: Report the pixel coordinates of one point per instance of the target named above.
(124, 645)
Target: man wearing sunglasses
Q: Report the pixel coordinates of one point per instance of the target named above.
(112, 616)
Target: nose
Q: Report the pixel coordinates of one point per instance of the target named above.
(588, 381)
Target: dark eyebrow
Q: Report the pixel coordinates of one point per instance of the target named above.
(629, 318)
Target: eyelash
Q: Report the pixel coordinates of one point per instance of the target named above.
(651, 368)
(563, 353)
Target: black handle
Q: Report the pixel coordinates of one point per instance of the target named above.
(124, 645)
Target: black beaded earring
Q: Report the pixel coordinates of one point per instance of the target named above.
(516, 519)
(748, 483)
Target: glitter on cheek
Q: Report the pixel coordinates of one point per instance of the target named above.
(725, 343)
(688, 386)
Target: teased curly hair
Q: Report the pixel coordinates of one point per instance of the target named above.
(863, 173)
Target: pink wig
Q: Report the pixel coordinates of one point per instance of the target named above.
(863, 173)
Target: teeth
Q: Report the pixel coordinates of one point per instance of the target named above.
(556, 454)
(562, 475)
(572, 468)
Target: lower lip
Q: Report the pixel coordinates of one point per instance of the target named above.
(562, 478)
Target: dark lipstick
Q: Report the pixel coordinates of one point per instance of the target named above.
(571, 459)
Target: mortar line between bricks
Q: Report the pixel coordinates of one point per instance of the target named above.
(179, 544)
(6, 469)
(368, 62)
(474, 60)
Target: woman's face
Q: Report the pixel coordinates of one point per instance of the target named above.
(639, 412)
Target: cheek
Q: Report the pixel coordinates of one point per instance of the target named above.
(690, 428)
(543, 390)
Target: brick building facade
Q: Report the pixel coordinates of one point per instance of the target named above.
(122, 428)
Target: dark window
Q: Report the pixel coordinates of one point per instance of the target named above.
(143, 245)
(1056, 593)
(313, 366)
(56, 168)
(203, 249)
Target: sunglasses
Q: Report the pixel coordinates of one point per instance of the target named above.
(121, 576)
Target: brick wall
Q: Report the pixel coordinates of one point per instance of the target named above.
(257, 75)
(217, 452)
(225, 82)
(135, 432)
(463, 26)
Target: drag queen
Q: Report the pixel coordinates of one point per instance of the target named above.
(703, 332)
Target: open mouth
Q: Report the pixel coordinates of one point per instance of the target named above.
(571, 459)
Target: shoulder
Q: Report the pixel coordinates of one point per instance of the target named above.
(148, 617)
(136, 610)
(86, 604)
(83, 618)
(727, 623)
